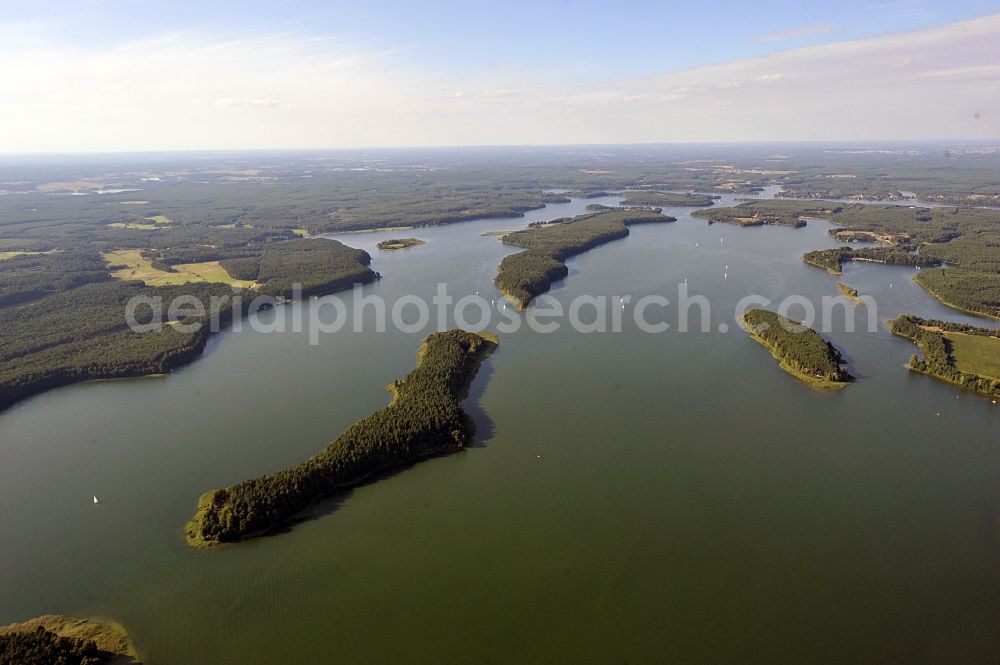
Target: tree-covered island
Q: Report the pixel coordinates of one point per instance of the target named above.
(399, 243)
(425, 418)
(800, 350)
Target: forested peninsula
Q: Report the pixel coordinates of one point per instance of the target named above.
(525, 275)
(63, 315)
(832, 260)
(665, 199)
(965, 239)
(57, 640)
(800, 350)
(967, 356)
(425, 418)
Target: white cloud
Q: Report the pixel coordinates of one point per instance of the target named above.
(796, 33)
(256, 103)
(188, 92)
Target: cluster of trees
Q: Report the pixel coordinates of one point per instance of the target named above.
(938, 359)
(833, 259)
(43, 647)
(797, 345)
(525, 275)
(319, 265)
(665, 199)
(425, 418)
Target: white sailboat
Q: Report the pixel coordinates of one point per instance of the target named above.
(96, 500)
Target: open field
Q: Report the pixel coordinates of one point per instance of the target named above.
(139, 267)
(135, 226)
(976, 354)
(10, 255)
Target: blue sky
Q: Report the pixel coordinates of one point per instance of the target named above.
(583, 39)
(87, 75)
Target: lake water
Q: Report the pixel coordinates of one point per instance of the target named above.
(633, 498)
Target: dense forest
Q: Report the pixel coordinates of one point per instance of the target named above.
(43, 647)
(425, 418)
(975, 292)
(62, 316)
(938, 358)
(31, 276)
(800, 349)
(525, 275)
(319, 265)
(665, 199)
(82, 334)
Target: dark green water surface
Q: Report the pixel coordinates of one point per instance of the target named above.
(634, 498)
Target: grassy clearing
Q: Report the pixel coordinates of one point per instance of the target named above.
(151, 224)
(137, 226)
(976, 354)
(10, 255)
(136, 266)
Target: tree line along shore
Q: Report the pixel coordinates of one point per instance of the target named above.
(967, 356)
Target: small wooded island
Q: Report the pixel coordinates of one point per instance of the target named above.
(800, 350)
(425, 418)
(524, 276)
(965, 355)
(850, 293)
(399, 243)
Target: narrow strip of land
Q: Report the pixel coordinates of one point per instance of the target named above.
(525, 275)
